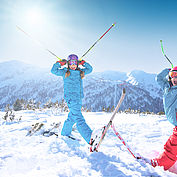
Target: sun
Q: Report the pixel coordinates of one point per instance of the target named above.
(34, 16)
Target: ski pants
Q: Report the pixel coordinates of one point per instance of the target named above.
(75, 116)
(168, 158)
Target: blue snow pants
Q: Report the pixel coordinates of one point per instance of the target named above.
(75, 116)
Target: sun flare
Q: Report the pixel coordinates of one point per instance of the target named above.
(34, 16)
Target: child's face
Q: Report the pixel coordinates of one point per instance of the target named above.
(73, 66)
(174, 81)
(173, 75)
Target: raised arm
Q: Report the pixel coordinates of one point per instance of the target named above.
(162, 79)
(87, 68)
(56, 69)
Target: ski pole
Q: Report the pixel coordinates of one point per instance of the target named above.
(39, 43)
(165, 54)
(124, 143)
(97, 41)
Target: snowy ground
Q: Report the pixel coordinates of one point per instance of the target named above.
(39, 156)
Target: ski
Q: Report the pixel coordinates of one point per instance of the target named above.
(105, 129)
(49, 132)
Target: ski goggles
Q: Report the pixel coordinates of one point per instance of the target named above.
(72, 62)
(173, 74)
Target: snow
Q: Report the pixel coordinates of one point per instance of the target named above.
(39, 156)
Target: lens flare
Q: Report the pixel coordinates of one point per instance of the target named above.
(34, 16)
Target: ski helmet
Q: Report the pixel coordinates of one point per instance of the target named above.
(174, 68)
(173, 72)
(72, 57)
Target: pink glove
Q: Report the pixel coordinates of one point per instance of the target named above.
(62, 62)
(81, 62)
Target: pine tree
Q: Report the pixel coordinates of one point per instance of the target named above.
(17, 106)
(112, 109)
(103, 109)
(9, 115)
(49, 104)
(31, 105)
(7, 108)
(108, 109)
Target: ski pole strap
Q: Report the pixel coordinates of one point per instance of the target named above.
(122, 140)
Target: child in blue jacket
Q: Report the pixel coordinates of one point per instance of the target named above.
(73, 93)
(167, 79)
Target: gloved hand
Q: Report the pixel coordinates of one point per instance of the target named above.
(81, 62)
(62, 62)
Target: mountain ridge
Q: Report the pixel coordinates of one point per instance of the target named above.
(101, 89)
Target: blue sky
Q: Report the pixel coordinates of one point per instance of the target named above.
(72, 26)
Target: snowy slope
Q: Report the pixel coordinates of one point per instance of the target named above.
(39, 156)
(20, 80)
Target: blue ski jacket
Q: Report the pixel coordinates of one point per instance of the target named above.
(73, 85)
(169, 97)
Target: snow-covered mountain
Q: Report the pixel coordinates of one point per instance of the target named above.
(102, 90)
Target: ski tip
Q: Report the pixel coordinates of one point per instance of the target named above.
(123, 90)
